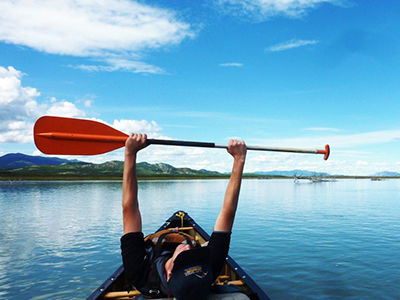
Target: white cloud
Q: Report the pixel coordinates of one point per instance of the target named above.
(272, 158)
(16, 132)
(143, 126)
(123, 65)
(233, 64)
(294, 43)
(87, 100)
(260, 10)
(195, 158)
(10, 87)
(65, 109)
(88, 103)
(19, 107)
(112, 32)
(322, 129)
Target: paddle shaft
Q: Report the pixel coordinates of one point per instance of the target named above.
(122, 139)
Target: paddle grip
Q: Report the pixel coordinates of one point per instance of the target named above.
(326, 152)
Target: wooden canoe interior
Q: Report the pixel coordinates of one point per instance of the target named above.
(228, 276)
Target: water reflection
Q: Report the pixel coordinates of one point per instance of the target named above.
(316, 241)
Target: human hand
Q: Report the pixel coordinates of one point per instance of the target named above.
(135, 142)
(237, 149)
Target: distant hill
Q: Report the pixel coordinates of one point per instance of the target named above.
(19, 160)
(386, 174)
(25, 166)
(147, 169)
(292, 173)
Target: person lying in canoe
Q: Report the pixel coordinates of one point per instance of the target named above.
(187, 273)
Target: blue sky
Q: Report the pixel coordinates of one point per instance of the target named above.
(271, 72)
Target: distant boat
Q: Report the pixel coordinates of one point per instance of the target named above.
(321, 179)
(377, 178)
(232, 277)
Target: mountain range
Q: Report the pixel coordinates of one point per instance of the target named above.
(19, 160)
(25, 166)
(386, 174)
(17, 165)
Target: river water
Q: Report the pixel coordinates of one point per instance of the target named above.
(330, 240)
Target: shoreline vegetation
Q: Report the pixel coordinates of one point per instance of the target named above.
(20, 167)
(23, 177)
(55, 173)
(95, 178)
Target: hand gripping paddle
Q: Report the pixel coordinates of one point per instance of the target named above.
(67, 136)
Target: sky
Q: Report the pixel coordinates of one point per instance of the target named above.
(282, 73)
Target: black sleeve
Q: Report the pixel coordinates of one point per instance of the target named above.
(135, 259)
(219, 247)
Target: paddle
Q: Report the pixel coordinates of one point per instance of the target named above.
(56, 135)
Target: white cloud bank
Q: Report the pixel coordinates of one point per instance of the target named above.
(338, 141)
(291, 44)
(349, 153)
(344, 166)
(114, 33)
(261, 10)
(19, 107)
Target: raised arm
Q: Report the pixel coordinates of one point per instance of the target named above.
(130, 204)
(227, 215)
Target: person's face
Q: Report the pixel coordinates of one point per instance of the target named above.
(170, 263)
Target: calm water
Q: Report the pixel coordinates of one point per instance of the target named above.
(337, 240)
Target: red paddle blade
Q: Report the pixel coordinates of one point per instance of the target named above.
(67, 136)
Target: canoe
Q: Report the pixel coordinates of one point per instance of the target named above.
(233, 282)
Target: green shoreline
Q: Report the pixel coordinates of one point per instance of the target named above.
(18, 167)
(21, 177)
(91, 177)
